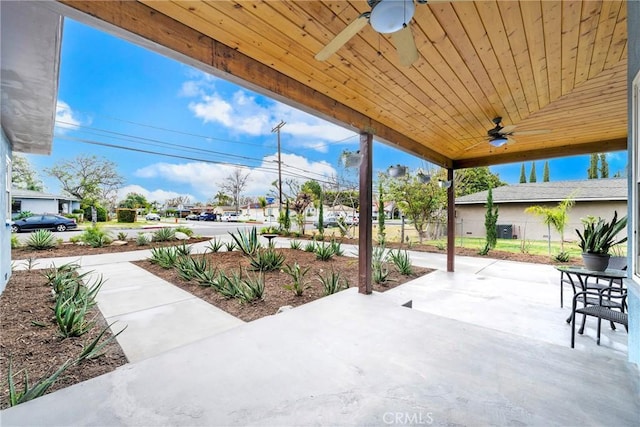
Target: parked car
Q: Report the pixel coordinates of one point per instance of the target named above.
(152, 217)
(46, 221)
(207, 216)
(352, 219)
(229, 217)
(192, 217)
(330, 221)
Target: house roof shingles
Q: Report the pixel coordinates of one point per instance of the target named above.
(583, 190)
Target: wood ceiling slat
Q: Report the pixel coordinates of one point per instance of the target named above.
(473, 74)
(516, 36)
(552, 22)
(619, 40)
(588, 30)
(534, 31)
(570, 37)
(492, 20)
(604, 35)
(207, 19)
(477, 34)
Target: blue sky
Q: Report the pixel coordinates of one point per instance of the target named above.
(114, 92)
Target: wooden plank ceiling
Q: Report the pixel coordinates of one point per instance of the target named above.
(542, 65)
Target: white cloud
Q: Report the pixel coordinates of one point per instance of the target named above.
(65, 117)
(206, 178)
(151, 195)
(255, 115)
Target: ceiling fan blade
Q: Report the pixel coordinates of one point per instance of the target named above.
(507, 129)
(406, 46)
(531, 132)
(343, 36)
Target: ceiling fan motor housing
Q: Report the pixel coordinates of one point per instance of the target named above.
(389, 16)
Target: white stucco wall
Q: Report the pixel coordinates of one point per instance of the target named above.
(470, 219)
(39, 206)
(5, 230)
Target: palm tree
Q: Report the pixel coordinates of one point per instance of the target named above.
(556, 217)
(262, 202)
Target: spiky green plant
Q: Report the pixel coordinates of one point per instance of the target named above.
(324, 251)
(333, 282)
(41, 239)
(599, 236)
(122, 236)
(266, 260)
(15, 242)
(184, 267)
(215, 245)
(96, 237)
(30, 392)
(142, 239)
(93, 349)
(71, 316)
(337, 248)
(251, 288)
(295, 244)
(380, 272)
(247, 241)
(185, 230)
(228, 285)
(230, 246)
(164, 235)
(562, 257)
(310, 247)
(164, 257)
(402, 261)
(297, 274)
(184, 249)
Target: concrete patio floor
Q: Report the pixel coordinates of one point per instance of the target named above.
(485, 345)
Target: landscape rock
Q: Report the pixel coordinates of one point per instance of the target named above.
(118, 243)
(284, 308)
(181, 236)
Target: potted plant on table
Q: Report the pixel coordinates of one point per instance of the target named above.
(597, 238)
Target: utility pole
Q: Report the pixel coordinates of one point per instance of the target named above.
(276, 129)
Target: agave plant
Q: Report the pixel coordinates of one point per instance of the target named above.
(247, 241)
(266, 260)
(41, 239)
(333, 282)
(164, 235)
(402, 261)
(297, 274)
(599, 236)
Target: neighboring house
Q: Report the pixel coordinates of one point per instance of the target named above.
(37, 202)
(30, 58)
(595, 197)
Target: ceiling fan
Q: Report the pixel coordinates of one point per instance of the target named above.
(500, 135)
(386, 17)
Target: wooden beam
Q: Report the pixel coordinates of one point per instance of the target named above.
(451, 223)
(366, 202)
(618, 144)
(228, 63)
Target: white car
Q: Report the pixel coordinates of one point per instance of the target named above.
(152, 217)
(229, 217)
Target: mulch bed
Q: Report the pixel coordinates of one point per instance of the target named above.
(31, 338)
(69, 249)
(276, 295)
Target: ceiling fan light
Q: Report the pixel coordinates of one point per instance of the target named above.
(498, 141)
(390, 16)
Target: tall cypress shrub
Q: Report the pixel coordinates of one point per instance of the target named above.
(490, 221)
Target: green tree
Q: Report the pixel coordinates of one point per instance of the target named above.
(134, 201)
(313, 188)
(523, 176)
(381, 232)
(23, 176)
(420, 202)
(321, 215)
(592, 172)
(604, 166)
(532, 175)
(89, 178)
(473, 180)
(262, 202)
(556, 217)
(221, 199)
(490, 221)
(545, 173)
